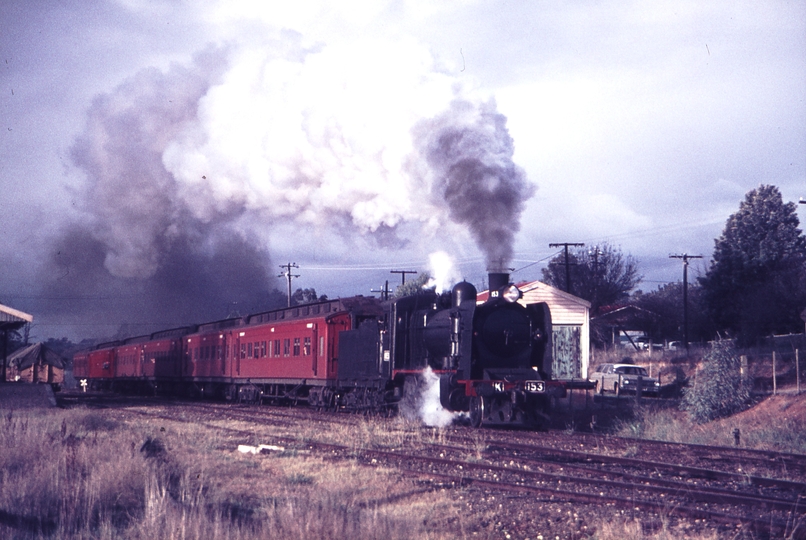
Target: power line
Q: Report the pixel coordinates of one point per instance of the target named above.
(384, 292)
(567, 261)
(685, 257)
(403, 273)
(289, 275)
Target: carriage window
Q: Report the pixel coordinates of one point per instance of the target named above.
(243, 350)
(249, 350)
(306, 347)
(276, 347)
(296, 346)
(286, 347)
(263, 349)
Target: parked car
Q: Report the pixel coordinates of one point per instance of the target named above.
(623, 378)
(675, 346)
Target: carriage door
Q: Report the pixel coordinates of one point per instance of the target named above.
(313, 349)
(236, 351)
(222, 353)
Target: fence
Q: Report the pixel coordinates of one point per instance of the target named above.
(771, 371)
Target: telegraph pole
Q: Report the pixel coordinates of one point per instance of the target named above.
(403, 272)
(287, 274)
(567, 262)
(384, 292)
(685, 257)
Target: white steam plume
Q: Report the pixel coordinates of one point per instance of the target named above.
(431, 411)
(443, 271)
(333, 136)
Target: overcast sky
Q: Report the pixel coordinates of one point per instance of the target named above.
(316, 134)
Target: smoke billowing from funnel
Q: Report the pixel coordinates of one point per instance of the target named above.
(190, 170)
(469, 153)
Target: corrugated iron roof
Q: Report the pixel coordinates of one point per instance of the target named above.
(11, 319)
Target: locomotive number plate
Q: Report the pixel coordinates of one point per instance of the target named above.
(535, 386)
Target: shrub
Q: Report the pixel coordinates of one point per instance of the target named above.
(719, 389)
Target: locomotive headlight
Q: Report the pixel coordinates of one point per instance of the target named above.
(511, 293)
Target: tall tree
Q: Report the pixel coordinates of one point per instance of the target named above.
(756, 282)
(601, 274)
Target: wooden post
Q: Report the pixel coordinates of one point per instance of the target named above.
(774, 382)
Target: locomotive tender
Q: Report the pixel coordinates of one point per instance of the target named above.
(360, 353)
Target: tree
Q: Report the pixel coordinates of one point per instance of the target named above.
(667, 303)
(601, 274)
(719, 388)
(413, 286)
(756, 282)
(306, 296)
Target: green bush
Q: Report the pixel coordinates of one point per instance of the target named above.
(719, 389)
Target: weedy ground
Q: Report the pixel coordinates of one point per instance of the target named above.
(84, 474)
(107, 473)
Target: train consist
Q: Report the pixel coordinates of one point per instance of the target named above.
(493, 359)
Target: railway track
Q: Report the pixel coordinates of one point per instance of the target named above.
(482, 462)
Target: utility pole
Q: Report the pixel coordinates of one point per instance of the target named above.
(384, 292)
(403, 272)
(567, 262)
(287, 274)
(686, 257)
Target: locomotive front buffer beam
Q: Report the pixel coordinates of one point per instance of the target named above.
(524, 403)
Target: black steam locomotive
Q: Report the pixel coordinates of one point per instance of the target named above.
(493, 359)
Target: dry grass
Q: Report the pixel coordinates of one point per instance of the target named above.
(81, 474)
(117, 474)
(762, 427)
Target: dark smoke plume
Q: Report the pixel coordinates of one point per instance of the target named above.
(469, 152)
(204, 275)
(142, 259)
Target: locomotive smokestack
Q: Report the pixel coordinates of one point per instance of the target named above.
(497, 280)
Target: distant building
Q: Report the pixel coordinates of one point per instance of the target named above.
(570, 320)
(625, 326)
(10, 320)
(35, 364)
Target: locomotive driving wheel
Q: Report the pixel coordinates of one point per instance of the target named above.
(477, 410)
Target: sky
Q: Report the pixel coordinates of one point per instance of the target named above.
(159, 161)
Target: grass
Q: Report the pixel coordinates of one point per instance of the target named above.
(84, 474)
(757, 430)
(107, 474)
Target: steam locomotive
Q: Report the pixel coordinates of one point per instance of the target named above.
(493, 359)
